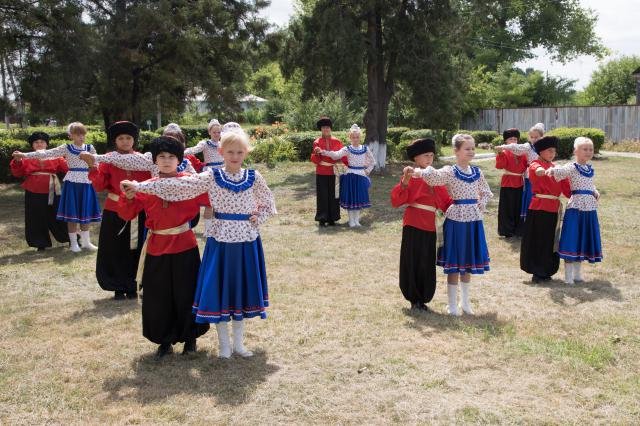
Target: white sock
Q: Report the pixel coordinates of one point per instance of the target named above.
(86, 241)
(577, 271)
(352, 221)
(569, 268)
(356, 217)
(73, 240)
(238, 339)
(464, 298)
(224, 346)
(452, 294)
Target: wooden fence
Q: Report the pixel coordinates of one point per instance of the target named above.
(619, 122)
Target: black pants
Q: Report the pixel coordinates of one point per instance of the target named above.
(418, 265)
(169, 284)
(509, 222)
(116, 262)
(537, 253)
(40, 218)
(327, 205)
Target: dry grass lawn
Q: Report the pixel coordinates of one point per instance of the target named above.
(340, 345)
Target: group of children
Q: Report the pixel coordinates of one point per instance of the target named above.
(530, 179)
(161, 189)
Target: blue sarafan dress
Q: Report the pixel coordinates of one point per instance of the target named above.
(465, 248)
(355, 183)
(78, 200)
(580, 235)
(232, 282)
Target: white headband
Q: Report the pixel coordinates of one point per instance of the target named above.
(232, 127)
(172, 127)
(214, 122)
(581, 140)
(355, 129)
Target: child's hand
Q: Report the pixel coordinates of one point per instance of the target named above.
(128, 185)
(317, 150)
(548, 172)
(407, 171)
(88, 158)
(18, 156)
(416, 173)
(540, 171)
(498, 148)
(254, 218)
(597, 195)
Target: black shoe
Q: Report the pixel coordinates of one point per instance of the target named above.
(41, 249)
(322, 223)
(119, 295)
(546, 279)
(189, 347)
(419, 307)
(163, 350)
(132, 295)
(332, 223)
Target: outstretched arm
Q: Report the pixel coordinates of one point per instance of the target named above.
(174, 189)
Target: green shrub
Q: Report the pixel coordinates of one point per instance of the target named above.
(412, 135)
(273, 150)
(7, 146)
(303, 142)
(568, 135)
(193, 133)
(303, 115)
(394, 134)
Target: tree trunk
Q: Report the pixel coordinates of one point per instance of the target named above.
(5, 96)
(379, 91)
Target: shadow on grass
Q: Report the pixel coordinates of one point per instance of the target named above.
(429, 323)
(589, 291)
(60, 254)
(302, 185)
(106, 308)
(230, 381)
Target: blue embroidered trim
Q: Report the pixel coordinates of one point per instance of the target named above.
(586, 170)
(231, 216)
(470, 177)
(357, 151)
(182, 166)
(215, 163)
(248, 178)
(212, 144)
(75, 151)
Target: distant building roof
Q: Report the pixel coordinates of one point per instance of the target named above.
(252, 98)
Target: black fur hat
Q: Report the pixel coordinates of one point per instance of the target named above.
(420, 146)
(37, 136)
(545, 142)
(166, 144)
(122, 128)
(324, 121)
(511, 133)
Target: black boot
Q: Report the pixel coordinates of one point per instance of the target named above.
(119, 295)
(132, 295)
(163, 350)
(189, 347)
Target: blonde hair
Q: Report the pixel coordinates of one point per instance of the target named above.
(76, 128)
(539, 128)
(235, 137)
(460, 138)
(581, 140)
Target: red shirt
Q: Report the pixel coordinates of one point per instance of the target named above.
(107, 177)
(330, 144)
(195, 162)
(546, 185)
(164, 215)
(37, 183)
(510, 162)
(418, 191)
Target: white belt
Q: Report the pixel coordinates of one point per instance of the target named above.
(508, 173)
(54, 185)
(325, 163)
(113, 196)
(423, 207)
(547, 196)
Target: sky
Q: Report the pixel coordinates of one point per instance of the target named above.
(618, 27)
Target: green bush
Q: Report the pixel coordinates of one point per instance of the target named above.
(303, 116)
(394, 134)
(303, 142)
(568, 135)
(193, 133)
(412, 135)
(273, 150)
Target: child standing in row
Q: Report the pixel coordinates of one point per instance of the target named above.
(580, 236)
(232, 283)
(171, 259)
(209, 148)
(465, 249)
(418, 248)
(117, 261)
(538, 254)
(355, 183)
(509, 206)
(78, 202)
(41, 194)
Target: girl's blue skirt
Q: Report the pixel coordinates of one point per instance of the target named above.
(232, 282)
(580, 236)
(354, 191)
(78, 203)
(527, 194)
(465, 248)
